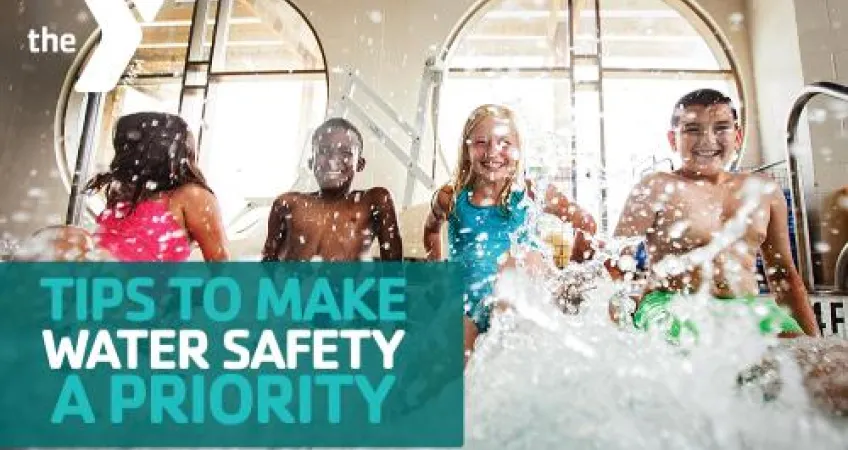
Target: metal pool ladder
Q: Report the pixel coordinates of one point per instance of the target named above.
(799, 210)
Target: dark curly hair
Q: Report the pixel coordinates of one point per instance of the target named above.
(154, 152)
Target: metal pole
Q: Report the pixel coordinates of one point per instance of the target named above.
(76, 202)
(802, 232)
(841, 277)
(572, 23)
(765, 167)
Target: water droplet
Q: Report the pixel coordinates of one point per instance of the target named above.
(375, 16)
(21, 217)
(36, 193)
(736, 20)
(678, 228)
(817, 115)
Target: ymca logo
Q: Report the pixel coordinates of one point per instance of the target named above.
(120, 37)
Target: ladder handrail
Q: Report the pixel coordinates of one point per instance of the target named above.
(802, 232)
(432, 76)
(841, 276)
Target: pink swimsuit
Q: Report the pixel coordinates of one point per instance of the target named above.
(149, 234)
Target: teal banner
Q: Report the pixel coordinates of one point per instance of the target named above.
(231, 355)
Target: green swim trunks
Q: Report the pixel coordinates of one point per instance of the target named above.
(653, 310)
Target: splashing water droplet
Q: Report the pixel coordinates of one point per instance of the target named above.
(818, 115)
(375, 16)
(36, 193)
(21, 217)
(678, 228)
(736, 20)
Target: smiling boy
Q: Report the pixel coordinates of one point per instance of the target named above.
(334, 223)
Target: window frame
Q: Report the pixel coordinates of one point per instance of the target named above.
(695, 15)
(62, 147)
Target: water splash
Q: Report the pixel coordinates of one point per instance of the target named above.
(544, 380)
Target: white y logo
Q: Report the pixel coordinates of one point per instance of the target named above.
(121, 36)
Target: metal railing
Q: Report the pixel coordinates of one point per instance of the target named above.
(841, 280)
(802, 226)
(355, 100)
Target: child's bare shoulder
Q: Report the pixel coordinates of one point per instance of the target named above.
(287, 199)
(191, 192)
(761, 177)
(655, 183)
(766, 184)
(658, 178)
(291, 200)
(375, 195)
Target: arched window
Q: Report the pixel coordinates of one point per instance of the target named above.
(594, 82)
(248, 75)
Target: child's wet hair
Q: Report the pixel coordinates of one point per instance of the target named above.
(701, 97)
(336, 122)
(463, 175)
(154, 152)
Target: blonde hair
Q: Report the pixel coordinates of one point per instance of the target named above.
(463, 176)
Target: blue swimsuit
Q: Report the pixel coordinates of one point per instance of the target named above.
(477, 237)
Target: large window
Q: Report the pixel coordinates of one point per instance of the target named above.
(248, 75)
(593, 81)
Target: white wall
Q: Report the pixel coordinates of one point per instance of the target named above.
(823, 41)
(777, 68)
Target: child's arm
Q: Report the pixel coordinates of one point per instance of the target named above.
(637, 217)
(276, 229)
(439, 207)
(203, 221)
(783, 278)
(385, 222)
(583, 222)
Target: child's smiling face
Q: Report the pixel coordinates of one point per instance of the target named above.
(707, 138)
(493, 150)
(337, 158)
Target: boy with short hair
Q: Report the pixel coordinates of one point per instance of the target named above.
(334, 223)
(691, 213)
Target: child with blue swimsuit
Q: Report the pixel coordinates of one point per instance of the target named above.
(486, 208)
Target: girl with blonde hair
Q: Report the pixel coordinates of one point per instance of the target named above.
(485, 208)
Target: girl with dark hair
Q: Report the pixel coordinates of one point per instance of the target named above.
(157, 201)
